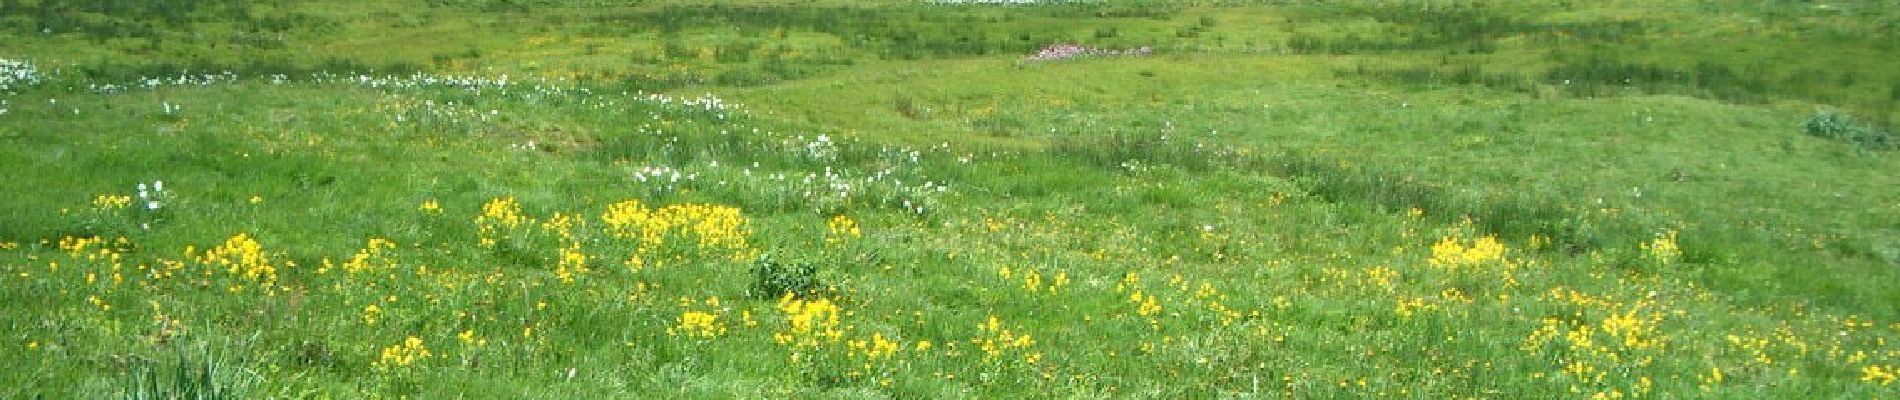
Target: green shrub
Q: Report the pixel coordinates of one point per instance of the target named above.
(773, 279)
(1836, 126)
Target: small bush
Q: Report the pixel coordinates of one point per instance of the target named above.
(1836, 126)
(773, 279)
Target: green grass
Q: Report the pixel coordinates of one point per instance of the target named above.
(1353, 199)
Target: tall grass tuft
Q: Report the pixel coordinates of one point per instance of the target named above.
(197, 377)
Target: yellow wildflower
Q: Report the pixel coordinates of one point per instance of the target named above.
(499, 217)
(994, 339)
(408, 352)
(841, 228)
(242, 256)
(876, 348)
(1878, 374)
(1145, 305)
(573, 262)
(1449, 253)
(469, 339)
(809, 322)
(107, 201)
(371, 314)
(1662, 250)
(710, 227)
(698, 324)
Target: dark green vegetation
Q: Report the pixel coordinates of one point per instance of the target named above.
(1361, 198)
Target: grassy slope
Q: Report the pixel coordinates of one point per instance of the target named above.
(1687, 164)
(1258, 201)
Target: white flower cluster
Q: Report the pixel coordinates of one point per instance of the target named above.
(707, 102)
(20, 73)
(820, 148)
(665, 175)
(421, 80)
(1070, 51)
(155, 198)
(884, 186)
(186, 79)
(405, 111)
(811, 178)
(16, 74)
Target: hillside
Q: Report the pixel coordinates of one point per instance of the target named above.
(494, 198)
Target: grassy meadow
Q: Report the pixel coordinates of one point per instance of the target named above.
(842, 199)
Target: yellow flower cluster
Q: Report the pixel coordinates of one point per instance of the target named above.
(165, 269)
(99, 303)
(699, 324)
(1381, 277)
(809, 323)
(1662, 250)
(402, 354)
(1033, 280)
(242, 256)
(1408, 307)
(562, 226)
(76, 245)
(1614, 337)
(1626, 337)
(710, 227)
(1213, 298)
(715, 226)
(470, 339)
(107, 201)
(1145, 305)
(498, 218)
(430, 206)
(1879, 374)
(994, 340)
(627, 219)
(814, 328)
(841, 228)
(573, 262)
(94, 249)
(876, 348)
(1449, 253)
(372, 257)
(1634, 329)
(1754, 346)
(372, 313)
